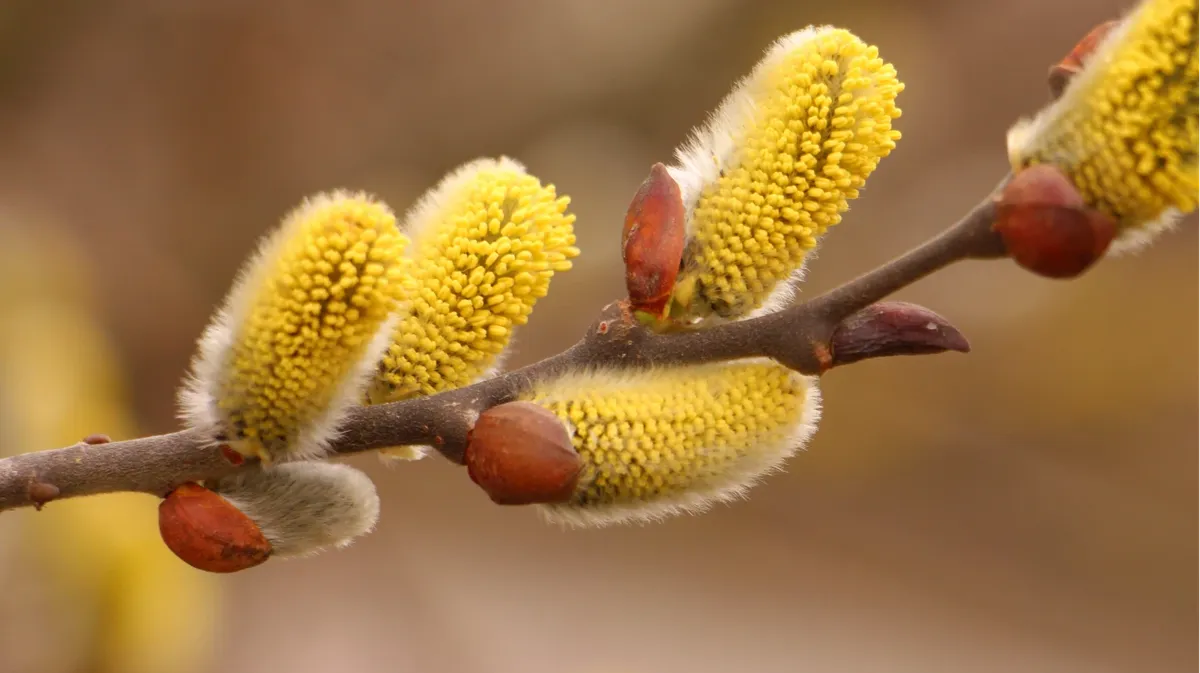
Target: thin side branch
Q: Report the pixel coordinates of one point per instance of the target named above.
(801, 337)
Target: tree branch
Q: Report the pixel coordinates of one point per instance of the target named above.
(801, 337)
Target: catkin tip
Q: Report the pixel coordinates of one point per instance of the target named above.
(487, 241)
(776, 165)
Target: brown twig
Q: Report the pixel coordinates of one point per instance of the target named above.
(801, 337)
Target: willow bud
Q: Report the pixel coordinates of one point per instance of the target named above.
(1062, 72)
(652, 242)
(210, 533)
(520, 453)
(1047, 228)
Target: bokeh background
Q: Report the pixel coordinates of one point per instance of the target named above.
(1028, 507)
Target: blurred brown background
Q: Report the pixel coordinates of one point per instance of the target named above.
(1028, 507)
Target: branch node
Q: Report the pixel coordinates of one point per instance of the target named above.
(824, 356)
(232, 456)
(41, 492)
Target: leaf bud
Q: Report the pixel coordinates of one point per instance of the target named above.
(208, 532)
(519, 453)
(652, 242)
(1046, 227)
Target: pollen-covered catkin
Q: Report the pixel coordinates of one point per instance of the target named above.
(486, 242)
(1125, 129)
(296, 342)
(659, 442)
(304, 507)
(776, 165)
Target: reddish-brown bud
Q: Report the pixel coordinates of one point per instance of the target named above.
(520, 453)
(892, 328)
(207, 532)
(1046, 227)
(1062, 72)
(41, 493)
(652, 241)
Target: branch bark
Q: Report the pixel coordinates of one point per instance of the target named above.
(800, 337)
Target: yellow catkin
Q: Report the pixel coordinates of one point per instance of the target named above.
(486, 242)
(1125, 128)
(295, 344)
(661, 442)
(776, 166)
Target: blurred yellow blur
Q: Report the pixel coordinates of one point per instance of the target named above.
(110, 597)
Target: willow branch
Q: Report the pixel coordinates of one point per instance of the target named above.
(810, 337)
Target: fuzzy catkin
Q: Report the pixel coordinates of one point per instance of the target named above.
(294, 345)
(487, 241)
(305, 507)
(660, 442)
(776, 165)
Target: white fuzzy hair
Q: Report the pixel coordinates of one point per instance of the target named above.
(303, 508)
(1028, 131)
(744, 474)
(197, 399)
(1132, 240)
(715, 146)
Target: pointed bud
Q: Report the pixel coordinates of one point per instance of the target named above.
(1047, 228)
(894, 328)
(520, 454)
(1062, 72)
(208, 532)
(652, 241)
